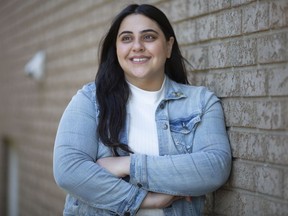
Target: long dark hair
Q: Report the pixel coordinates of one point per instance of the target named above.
(112, 90)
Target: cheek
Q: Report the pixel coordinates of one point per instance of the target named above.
(161, 55)
(160, 51)
(120, 51)
(123, 46)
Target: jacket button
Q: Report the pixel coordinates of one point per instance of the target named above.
(139, 185)
(165, 126)
(127, 214)
(162, 105)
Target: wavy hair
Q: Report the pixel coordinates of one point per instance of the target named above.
(112, 90)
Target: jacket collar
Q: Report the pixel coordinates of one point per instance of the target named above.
(173, 90)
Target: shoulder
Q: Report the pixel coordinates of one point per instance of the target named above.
(199, 96)
(191, 91)
(199, 92)
(84, 99)
(194, 90)
(88, 90)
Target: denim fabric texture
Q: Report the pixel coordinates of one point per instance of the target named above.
(195, 155)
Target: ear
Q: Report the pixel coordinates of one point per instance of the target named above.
(170, 43)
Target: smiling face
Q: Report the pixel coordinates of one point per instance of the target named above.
(142, 50)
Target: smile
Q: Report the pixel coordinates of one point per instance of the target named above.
(139, 59)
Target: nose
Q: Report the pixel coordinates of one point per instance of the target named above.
(138, 46)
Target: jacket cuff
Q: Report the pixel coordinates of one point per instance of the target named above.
(138, 171)
(131, 206)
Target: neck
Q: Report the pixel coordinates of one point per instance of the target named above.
(154, 84)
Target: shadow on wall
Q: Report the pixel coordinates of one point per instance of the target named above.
(9, 177)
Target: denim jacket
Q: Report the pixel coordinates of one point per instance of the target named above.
(195, 155)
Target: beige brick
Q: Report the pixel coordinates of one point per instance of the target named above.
(228, 202)
(271, 114)
(71, 60)
(248, 145)
(255, 146)
(222, 82)
(277, 149)
(197, 7)
(244, 203)
(265, 179)
(278, 13)
(242, 176)
(272, 48)
(243, 52)
(264, 114)
(238, 82)
(229, 23)
(197, 56)
(255, 17)
(269, 180)
(253, 82)
(89, 38)
(239, 112)
(206, 27)
(218, 55)
(185, 32)
(218, 5)
(262, 205)
(278, 80)
(178, 10)
(240, 2)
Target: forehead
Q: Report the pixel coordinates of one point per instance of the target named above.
(137, 23)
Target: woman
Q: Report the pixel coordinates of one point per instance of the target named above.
(140, 140)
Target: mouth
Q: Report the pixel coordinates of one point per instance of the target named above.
(139, 59)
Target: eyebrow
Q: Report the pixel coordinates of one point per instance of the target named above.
(143, 31)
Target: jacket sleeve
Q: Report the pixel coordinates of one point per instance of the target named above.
(74, 162)
(192, 174)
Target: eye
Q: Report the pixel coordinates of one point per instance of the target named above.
(149, 37)
(126, 38)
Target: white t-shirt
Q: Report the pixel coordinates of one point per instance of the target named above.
(143, 137)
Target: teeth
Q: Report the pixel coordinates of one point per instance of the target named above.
(139, 59)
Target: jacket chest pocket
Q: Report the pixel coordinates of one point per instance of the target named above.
(182, 131)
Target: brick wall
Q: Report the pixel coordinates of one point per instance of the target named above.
(238, 48)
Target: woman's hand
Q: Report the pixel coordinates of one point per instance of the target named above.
(118, 166)
(158, 200)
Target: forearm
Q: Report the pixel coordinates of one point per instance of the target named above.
(183, 175)
(204, 173)
(197, 173)
(160, 200)
(95, 186)
(118, 166)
